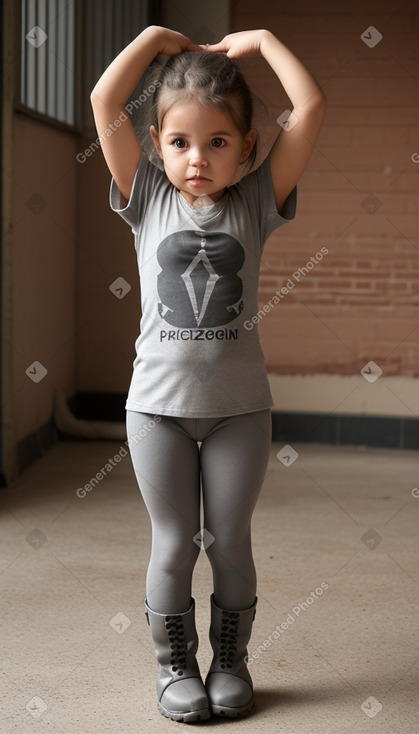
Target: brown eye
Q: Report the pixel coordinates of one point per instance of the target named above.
(217, 142)
(179, 143)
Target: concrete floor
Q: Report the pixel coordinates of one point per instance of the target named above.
(335, 542)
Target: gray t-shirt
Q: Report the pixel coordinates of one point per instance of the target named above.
(199, 273)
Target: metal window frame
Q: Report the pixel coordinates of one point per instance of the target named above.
(40, 79)
(118, 23)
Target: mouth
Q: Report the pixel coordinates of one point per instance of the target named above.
(198, 182)
(198, 178)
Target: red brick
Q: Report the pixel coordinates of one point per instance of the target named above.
(361, 300)
(330, 284)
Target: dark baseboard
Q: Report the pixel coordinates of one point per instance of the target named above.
(381, 431)
(98, 406)
(378, 431)
(87, 406)
(35, 445)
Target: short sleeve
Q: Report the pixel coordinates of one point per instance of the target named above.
(258, 187)
(147, 177)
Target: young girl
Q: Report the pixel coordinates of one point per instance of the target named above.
(199, 382)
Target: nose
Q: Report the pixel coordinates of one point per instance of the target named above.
(197, 158)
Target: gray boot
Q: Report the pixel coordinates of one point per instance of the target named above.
(180, 690)
(228, 684)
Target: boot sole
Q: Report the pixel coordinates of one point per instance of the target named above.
(233, 713)
(185, 716)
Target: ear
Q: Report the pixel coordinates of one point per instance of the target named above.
(248, 143)
(156, 139)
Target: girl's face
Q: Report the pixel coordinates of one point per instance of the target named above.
(201, 149)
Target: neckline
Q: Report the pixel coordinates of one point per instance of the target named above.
(201, 211)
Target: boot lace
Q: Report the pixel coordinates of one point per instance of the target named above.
(176, 634)
(228, 638)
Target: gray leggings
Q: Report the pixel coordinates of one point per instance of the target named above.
(171, 468)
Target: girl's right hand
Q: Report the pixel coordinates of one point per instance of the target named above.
(171, 42)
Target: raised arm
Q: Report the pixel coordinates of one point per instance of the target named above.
(120, 145)
(293, 147)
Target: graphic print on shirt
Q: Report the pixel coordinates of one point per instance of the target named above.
(199, 285)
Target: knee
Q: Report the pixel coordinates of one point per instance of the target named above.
(175, 555)
(229, 551)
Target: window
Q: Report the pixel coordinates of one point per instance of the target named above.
(48, 58)
(67, 44)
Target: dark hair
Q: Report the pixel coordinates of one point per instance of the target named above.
(210, 78)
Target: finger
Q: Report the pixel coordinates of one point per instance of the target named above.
(191, 46)
(221, 47)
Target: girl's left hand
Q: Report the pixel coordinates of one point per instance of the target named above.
(238, 45)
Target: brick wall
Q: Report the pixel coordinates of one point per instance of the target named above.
(356, 299)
